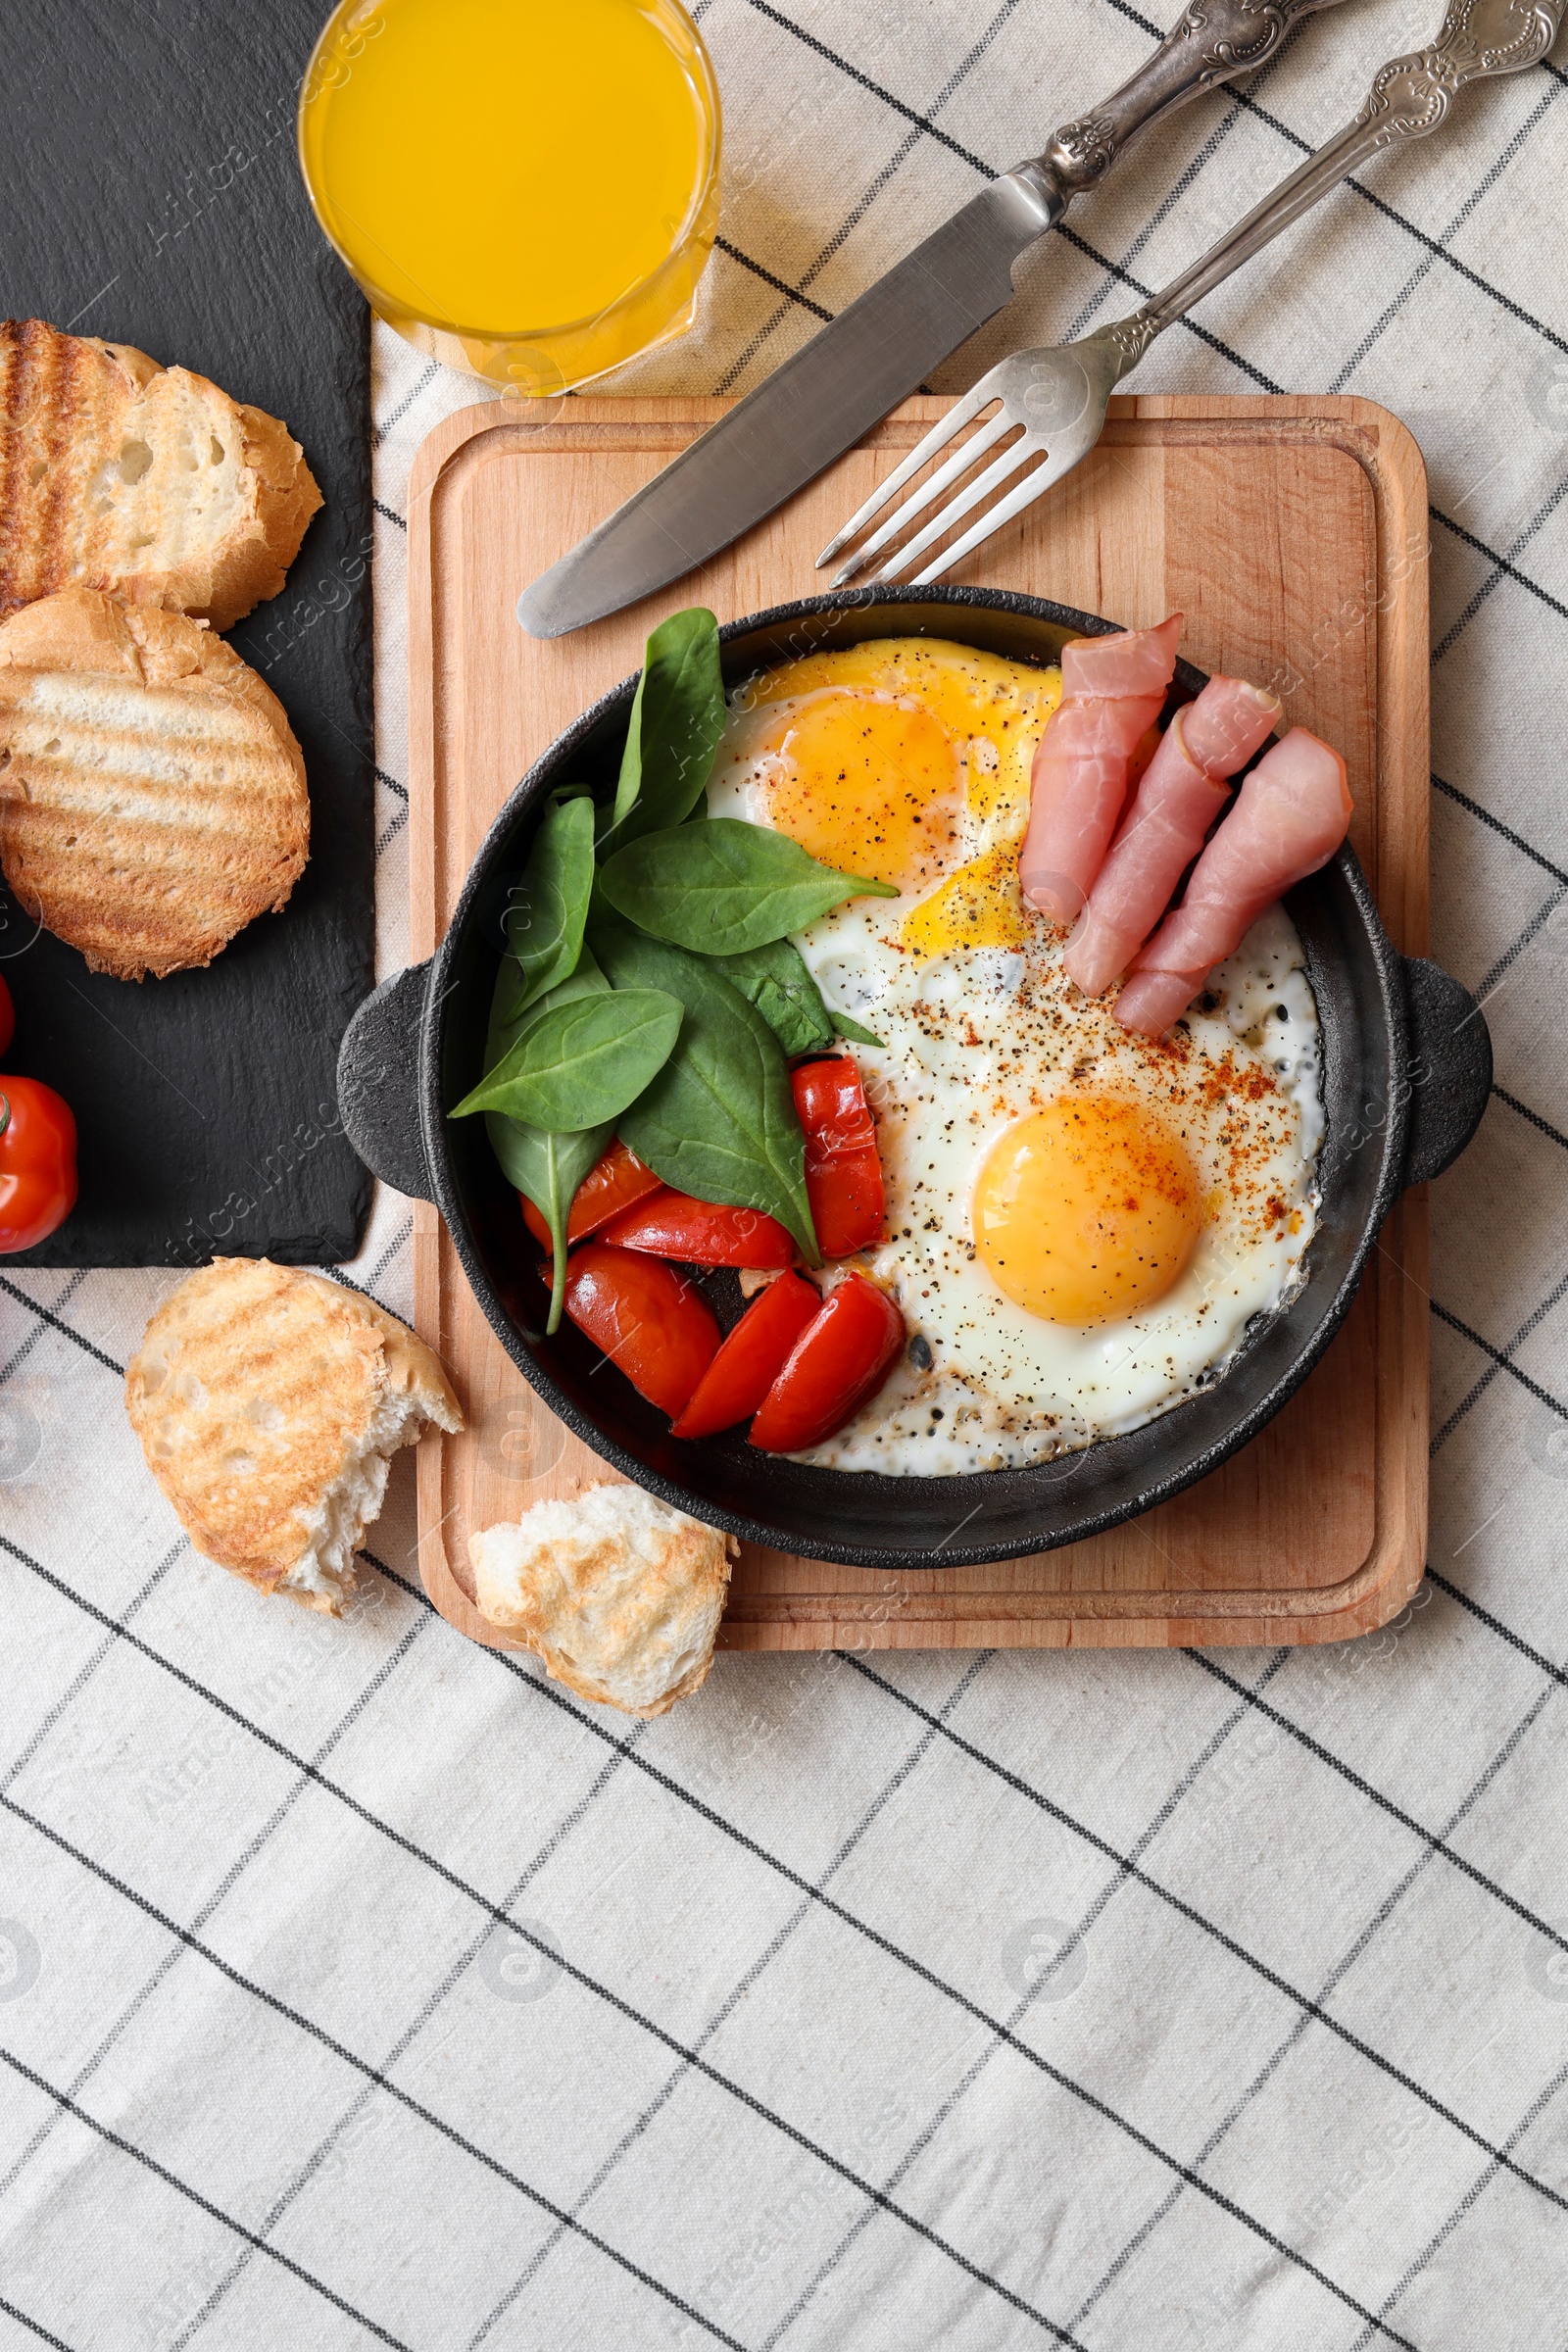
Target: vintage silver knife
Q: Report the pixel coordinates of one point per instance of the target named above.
(882, 347)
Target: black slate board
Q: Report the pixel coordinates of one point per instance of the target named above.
(154, 198)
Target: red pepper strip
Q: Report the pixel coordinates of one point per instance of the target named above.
(612, 1184)
(843, 1172)
(652, 1324)
(671, 1224)
(751, 1359)
(839, 1361)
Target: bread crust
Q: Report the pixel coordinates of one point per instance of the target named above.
(256, 1389)
(148, 482)
(152, 796)
(619, 1596)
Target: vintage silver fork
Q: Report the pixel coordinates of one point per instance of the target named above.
(1059, 397)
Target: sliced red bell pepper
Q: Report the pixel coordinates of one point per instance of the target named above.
(655, 1326)
(671, 1224)
(613, 1184)
(751, 1359)
(842, 1172)
(839, 1361)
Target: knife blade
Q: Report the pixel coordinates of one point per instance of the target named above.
(811, 410)
(833, 390)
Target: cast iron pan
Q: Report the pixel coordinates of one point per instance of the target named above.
(1407, 1066)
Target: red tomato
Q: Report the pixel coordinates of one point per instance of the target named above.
(8, 1017)
(840, 1360)
(656, 1328)
(671, 1224)
(843, 1173)
(751, 1359)
(617, 1180)
(37, 1162)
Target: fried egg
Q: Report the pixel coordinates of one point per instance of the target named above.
(1082, 1224)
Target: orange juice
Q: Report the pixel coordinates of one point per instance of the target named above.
(527, 189)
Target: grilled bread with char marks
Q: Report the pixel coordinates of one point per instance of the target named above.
(267, 1401)
(122, 474)
(152, 795)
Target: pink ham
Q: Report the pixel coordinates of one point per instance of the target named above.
(1182, 793)
(1112, 690)
(1290, 817)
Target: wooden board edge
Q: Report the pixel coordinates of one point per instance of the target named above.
(1384, 1585)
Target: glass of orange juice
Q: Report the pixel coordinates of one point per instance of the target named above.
(527, 189)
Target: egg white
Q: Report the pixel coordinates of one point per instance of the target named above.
(974, 1039)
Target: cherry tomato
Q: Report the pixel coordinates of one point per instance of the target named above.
(612, 1184)
(671, 1224)
(751, 1359)
(841, 1359)
(843, 1172)
(656, 1328)
(8, 1017)
(37, 1162)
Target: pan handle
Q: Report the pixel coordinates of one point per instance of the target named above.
(1450, 1068)
(378, 1082)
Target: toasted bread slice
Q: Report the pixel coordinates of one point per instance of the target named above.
(619, 1595)
(152, 796)
(268, 1402)
(121, 474)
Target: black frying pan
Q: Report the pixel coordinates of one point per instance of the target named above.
(1408, 1067)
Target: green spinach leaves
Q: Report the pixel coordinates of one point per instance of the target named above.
(682, 1041)
(718, 1121)
(720, 888)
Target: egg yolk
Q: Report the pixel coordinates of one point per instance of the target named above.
(1087, 1210)
(867, 786)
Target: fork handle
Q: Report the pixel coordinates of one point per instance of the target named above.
(1409, 99)
(1213, 41)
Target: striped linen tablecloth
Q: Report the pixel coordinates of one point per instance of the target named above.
(359, 1985)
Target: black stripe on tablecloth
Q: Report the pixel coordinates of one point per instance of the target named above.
(55, 1323)
(22, 2320)
(1134, 1870)
(1496, 824)
(221, 1891)
(1509, 569)
(126, 2147)
(459, 2139)
(1064, 2081)
(1439, 2238)
(1335, 1977)
(1504, 569)
(1503, 1360)
(411, 2031)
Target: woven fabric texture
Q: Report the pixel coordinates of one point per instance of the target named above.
(357, 1984)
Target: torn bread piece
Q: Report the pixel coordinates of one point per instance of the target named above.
(268, 1402)
(122, 474)
(619, 1595)
(152, 795)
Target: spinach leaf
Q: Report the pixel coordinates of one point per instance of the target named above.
(676, 721)
(718, 1121)
(851, 1030)
(721, 888)
(547, 1167)
(776, 981)
(545, 921)
(580, 1062)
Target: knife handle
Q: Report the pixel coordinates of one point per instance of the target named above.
(1213, 41)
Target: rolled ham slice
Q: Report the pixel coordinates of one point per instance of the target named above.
(1182, 792)
(1290, 817)
(1112, 690)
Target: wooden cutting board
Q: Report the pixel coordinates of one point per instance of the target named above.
(1291, 532)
